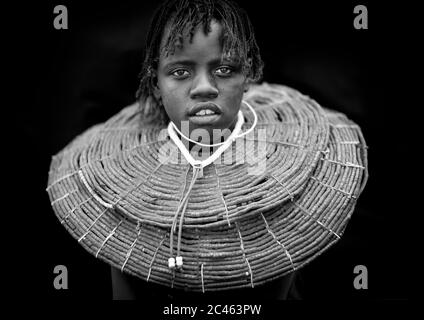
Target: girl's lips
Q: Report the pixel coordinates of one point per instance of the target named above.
(204, 106)
(204, 119)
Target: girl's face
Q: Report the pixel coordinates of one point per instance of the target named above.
(194, 79)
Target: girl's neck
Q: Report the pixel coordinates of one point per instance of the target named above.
(218, 139)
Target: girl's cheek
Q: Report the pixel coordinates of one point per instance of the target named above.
(234, 89)
(236, 84)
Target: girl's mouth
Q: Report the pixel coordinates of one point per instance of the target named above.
(204, 119)
(204, 113)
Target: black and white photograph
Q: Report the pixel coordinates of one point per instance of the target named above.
(201, 151)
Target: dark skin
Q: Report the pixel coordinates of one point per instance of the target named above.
(194, 74)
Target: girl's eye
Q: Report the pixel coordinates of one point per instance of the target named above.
(225, 71)
(180, 73)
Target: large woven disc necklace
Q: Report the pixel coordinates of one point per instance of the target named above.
(269, 203)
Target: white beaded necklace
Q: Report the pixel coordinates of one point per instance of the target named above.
(223, 145)
(198, 166)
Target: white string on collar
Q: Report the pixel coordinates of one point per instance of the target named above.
(255, 120)
(223, 145)
(198, 166)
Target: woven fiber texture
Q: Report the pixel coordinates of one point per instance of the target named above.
(246, 222)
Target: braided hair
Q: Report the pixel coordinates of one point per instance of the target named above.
(183, 17)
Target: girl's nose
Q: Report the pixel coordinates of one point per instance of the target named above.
(203, 87)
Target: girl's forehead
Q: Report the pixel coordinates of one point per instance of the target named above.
(211, 40)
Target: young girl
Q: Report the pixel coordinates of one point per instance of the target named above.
(210, 184)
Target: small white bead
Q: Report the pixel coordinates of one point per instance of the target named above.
(171, 263)
(179, 261)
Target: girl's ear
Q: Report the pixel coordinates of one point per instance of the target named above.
(156, 90)
(248, 79)
(246, 85)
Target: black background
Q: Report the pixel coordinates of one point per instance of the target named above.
(72, 79)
